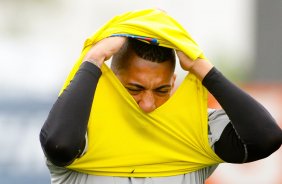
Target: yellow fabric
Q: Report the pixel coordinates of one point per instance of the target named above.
(124, 141)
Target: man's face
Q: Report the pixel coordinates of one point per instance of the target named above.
(149, 83)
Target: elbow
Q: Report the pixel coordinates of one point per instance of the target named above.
(273, 139)
(271, 143)
(60, 153)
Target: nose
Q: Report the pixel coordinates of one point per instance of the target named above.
(147, 102)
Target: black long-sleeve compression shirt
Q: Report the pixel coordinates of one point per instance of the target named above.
(252, 129)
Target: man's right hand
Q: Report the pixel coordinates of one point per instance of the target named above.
(104, 50)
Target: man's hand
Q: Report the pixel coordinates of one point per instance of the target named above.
(104, 50)
(199, 67)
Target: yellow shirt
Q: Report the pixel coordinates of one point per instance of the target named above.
(125, 141)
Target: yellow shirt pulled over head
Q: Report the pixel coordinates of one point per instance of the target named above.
(125, 141)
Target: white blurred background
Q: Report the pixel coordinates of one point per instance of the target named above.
(41, 39)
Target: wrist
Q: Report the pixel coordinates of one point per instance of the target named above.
(95, 56)
(95, 59)
(201, 68)
(96, 63)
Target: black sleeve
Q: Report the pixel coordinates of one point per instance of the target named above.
(252, 134)
(62, 136)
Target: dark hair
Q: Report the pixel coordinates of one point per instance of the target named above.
(149, 52)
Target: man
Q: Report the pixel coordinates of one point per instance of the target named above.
(147, 72)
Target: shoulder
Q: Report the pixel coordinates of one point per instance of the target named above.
(217, 121)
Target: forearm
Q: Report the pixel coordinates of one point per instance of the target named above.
(252, 122)
(62, 136)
